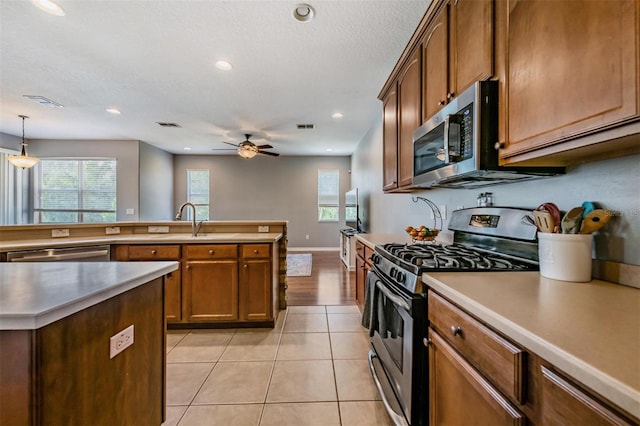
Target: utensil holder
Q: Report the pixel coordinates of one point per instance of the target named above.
(565, 257)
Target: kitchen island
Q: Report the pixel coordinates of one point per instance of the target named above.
(57, 359)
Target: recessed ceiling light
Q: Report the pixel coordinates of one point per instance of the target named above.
(303, 12)
(223, 65)
(113, 111)
(329, 150)
(337, 115)
(49, 6)
(186, 148)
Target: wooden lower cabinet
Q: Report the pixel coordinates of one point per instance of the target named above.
(255, 302)
(211, 290)
(460, 395)
(363, 266)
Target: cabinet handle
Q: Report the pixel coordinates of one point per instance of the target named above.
(440, 103)
(450, 95)
(188, 266)
(456, 330)
(499, 145)
(153, 252)
(426, 341)
(211, 251)
(255, 251)
(246, 266)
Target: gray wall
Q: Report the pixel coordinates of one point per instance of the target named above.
(283, 188)
(126, 152)
(612, 184)
(11, 142)
(156, 183)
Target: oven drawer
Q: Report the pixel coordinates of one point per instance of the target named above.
(495, 357)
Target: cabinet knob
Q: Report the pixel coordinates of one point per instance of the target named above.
(440, 103)
(499, 145)
(211, 251)
(426, 341)
(246, 266)
(153, 252)
(255, 251)
(450, 95)
(188, 266)
(456, 330)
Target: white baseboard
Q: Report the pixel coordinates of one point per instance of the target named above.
(313, 248)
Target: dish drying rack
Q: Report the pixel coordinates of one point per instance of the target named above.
(437, 216)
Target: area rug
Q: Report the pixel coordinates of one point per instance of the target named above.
(299, 265)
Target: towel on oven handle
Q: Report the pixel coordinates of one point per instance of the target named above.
(378, 312)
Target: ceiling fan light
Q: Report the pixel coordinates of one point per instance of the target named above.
(23, 160)
(247, 152)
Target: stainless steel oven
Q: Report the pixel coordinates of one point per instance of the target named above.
(485, 239)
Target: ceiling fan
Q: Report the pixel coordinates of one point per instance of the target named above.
(247, 149)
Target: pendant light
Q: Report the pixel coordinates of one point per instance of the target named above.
(23, 160)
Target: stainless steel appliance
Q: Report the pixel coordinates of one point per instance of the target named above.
(485, 239)
(76, 254)
(455, 147)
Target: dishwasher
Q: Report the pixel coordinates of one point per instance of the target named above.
(75, 254)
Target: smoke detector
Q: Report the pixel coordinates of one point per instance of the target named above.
(303, 12)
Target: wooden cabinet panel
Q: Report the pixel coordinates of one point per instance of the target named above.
(363, 266)
(409, 115)
(572, 69)
(255, 290)
(436, 65)
(153, 252)
(255, 251)
(390, 140)
(211, 251)
(211, 290)
(459, 395)
(498, 359)
(564, 403)
(173, 295)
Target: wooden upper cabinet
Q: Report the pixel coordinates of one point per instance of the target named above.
(390, 140)
(435, 54)
(409, 115)
(571, 69)
(457, 51)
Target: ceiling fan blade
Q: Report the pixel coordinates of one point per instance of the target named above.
(229, 143)
(267, 146)
(273, 154)
(223, 149)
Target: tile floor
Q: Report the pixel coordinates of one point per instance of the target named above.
(311, 369)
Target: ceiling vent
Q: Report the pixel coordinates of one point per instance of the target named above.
(306, 126)
(44, 101)
(165, 124)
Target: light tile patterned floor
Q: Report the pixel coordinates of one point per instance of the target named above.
(310, 370)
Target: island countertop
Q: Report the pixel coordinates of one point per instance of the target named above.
(33, 295)
(590, 330)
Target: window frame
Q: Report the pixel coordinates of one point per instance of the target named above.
(333, 204)
(190, 194)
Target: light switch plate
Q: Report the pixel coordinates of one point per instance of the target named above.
(111, 230)
(130, 211)
(120, 341)
(58, 233)
(263, 228)
(157, 229)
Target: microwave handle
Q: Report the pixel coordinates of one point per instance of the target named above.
(447, 125)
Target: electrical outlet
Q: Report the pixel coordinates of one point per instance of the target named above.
(158, 229)
(130, 211)
(111, 230)
(57, 233)
(120, 341)
(264, 228)
(306, 237)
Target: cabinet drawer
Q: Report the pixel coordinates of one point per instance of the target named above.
(212, 251)
(364, 251)
(163, 252)
(498, 359)
(254, 251)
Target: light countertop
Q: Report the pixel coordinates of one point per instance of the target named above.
(159, 238)
(372, 239)
(33, 295)
(591, 331)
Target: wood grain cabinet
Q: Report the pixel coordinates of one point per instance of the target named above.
(457, 51)
(409, 115)
(255, 303)
(571, 69)
(363, 266)
(390, 139)
(173, 280)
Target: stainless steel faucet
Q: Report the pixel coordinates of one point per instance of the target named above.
(194, 228)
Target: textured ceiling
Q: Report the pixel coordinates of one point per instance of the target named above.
(154, 61)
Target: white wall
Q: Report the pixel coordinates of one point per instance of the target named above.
(283, 188)
(156, 183)
(611, 184)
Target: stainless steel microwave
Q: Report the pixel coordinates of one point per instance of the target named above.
(455, 147)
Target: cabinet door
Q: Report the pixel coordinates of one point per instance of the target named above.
(572, 68)
(255, 290)
(459, 395)
(390, 140)
(435, 48)
(173, 296)
(471, 42)
(211, 290)
(563, 403)
(409, 115)
(361, 277)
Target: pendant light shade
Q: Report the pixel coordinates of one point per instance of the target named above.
(247, 150)
(23, 160)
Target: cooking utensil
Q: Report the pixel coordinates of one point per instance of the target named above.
(544, 221)
(588, 208)
(572, 221)
(555, 213)
(595, 220)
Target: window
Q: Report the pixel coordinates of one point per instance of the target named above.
(75, 190)
(198, 193)
(328, 198)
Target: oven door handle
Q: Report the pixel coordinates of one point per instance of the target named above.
(398, 419)
(396, 300)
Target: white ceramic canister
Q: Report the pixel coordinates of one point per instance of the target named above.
(565, 257)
